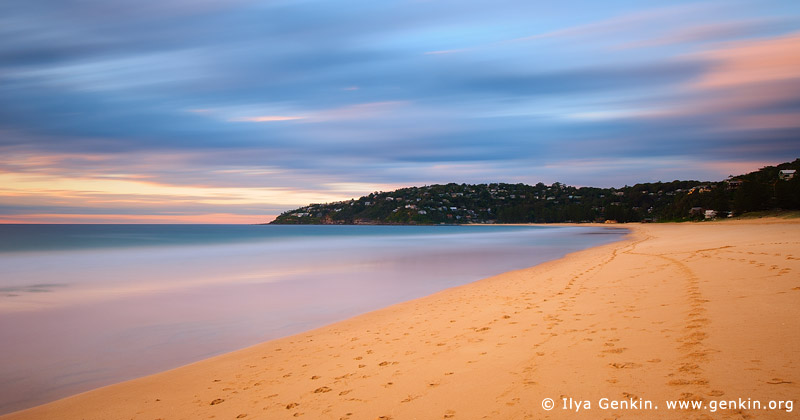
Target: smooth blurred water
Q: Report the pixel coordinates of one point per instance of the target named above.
(83, 306)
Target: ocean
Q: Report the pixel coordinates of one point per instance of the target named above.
(82, 306)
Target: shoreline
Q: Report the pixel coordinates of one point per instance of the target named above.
(618, 319)
(226, 299)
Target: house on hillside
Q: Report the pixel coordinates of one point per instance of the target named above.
(700, 189)
(786, 174)
(734, 183)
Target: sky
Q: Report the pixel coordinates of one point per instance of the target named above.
(233, 111)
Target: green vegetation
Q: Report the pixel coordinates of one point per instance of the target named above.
(763, 190)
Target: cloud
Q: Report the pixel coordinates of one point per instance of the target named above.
(707, 32)
(752, 62)
(358, 111)
(354, 112)
(766, 121)
(245, 107)
(746, 85)
(115, 217)
(266, 118)
(441, 52)
(588, 79)
(622, 23)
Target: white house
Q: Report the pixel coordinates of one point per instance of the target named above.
(786, 174)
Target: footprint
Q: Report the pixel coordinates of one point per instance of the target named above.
(217, 401)
(678, 382)
(625, 365)
(778, 381)
(688, 396)
(409, 398)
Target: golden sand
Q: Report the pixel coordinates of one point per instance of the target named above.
(695, 312)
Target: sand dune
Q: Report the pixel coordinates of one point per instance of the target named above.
(703, 312)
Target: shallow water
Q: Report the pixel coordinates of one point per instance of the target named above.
(83, 306)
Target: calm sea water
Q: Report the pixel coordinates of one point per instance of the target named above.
(83, 306)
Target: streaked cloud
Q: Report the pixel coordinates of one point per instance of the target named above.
(766, 121)
(266, 118)
(626, 22)
(181, 110)
(752, 62)
(441, 52)
(201, 218)
(710, 32)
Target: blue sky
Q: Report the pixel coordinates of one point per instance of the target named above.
(212, 110)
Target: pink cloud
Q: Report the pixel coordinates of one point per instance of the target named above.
(746, 76)
(742, 79)
(752, 62)
(212, 218)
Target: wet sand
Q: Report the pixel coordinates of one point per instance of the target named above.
(693, 312)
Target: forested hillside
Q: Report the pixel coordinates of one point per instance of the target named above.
(767, 188)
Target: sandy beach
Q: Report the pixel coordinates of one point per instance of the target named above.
(675, 312)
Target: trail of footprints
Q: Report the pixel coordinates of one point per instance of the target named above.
(687, 375)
